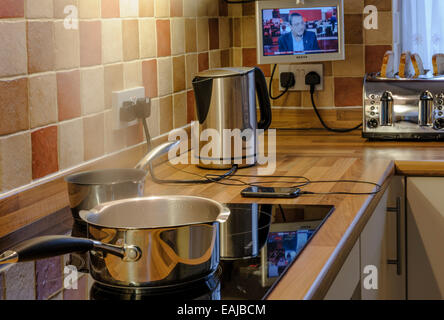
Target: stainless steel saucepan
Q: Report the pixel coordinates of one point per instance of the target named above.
(89, 189)
(141, 242)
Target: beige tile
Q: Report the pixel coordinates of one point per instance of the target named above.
(162, 8)
(40, 46)
(235, 10)
(154, 119)
(15, 161)
(112, 42)
(166, 114)
(94, 136)
(214, 59)
(189, 8)
(202, 34)
(13, 54)
(354, 63)
(89, 9)
(129, 8)
(147, 33)
(132, 74)
(130, 33)
(382, 35)
(177, 36)
(202, 8)
(113, 82)
(39, 9)
(92, 90)
(248, 32)
(237, 57)
(180, 109)
(165, 76)
(42, 99)
(224, 33)
(324, 98)
(190, 35)
(146, 8)
(67, 48)
(70, 143)
(114, 139)
(60, 5)
(191, 68)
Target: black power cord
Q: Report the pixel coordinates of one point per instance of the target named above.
(287, 82)
(312, 79)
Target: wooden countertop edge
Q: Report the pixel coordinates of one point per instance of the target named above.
(325, 278)
(423, 168)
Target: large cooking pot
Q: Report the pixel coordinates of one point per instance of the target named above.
(141, 242)
(88, 189)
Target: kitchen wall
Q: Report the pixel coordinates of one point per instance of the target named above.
(343, 79)
(56, 83)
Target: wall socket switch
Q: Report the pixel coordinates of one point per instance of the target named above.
(119, 98)
(300, 71)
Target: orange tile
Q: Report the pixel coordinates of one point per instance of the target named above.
(90, 43)
(130, 32)
(176, 8)
(14, 106)
(94, 136)
(382, 5)
(149, 77)
(40, 46)
(68, 94)
(203, 61)
(348, 92)
(249, 59)
(179, 73)
(374, 56)
(44, 152)
(190, 106)
(110, 9)
(163, 38)
(12, 8)
(146, 8)
(213, 27)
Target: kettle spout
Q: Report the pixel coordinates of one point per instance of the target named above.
(9, 257)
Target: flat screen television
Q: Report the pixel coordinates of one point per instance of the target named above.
(290, 33)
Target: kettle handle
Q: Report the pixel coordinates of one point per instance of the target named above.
(264, 99)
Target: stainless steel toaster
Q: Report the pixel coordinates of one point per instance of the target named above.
(396, 109)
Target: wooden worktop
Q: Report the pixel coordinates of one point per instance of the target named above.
(314, 154)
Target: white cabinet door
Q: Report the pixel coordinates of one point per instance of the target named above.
(425, 241)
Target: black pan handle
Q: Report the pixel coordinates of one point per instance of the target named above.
(45, 247)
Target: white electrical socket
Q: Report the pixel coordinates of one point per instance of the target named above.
(300, 71)
(119, 97)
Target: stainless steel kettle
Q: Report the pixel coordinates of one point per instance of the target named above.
(226, 101)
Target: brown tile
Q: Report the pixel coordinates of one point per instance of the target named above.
(110, 9)
(42, 97)
(149, 77)
(12, 8)
(44, 152)
(93, 136)
(382, 35)
(213, 27)
(249, 59)
(213, 8)
(237, 32)
(166, 114)
(248, 32)
(353, 6)
(179, 73)
(374, 56)
(191, 112)
(191, 68)
(348, 92)
(353, 65)
(113, 82)
(146, 8)
(180, 109)
(224, 33)
(40, 46)
(130, 32)
(203, 61)
(225, 58)
(13, 55)
(354, 33)
(134, 135)
(14, 106)
(214, 59)
(163, 38)
(323, 98)
(20, 281)
(176, 8)
(382, 5)
(223, 8)
(202, 35)
(48, 273)
(81, 293)
(190, 35)
(248, 9)
(2, 287)
(291, 99)
(90, 43)
(68, 94)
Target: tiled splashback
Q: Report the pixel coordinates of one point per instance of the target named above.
(56, 82)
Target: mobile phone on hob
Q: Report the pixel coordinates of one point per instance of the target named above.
(270, 192)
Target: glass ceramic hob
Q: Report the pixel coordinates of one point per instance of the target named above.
(261, 243)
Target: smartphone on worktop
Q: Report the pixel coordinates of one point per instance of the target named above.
(270, 192)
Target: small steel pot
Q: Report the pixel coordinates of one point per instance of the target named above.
(141, 242)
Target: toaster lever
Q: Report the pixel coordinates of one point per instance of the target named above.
(425, 109)
(386, 114)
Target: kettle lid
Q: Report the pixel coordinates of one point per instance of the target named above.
(224, 72)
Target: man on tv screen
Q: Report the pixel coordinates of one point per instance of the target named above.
(299, 39)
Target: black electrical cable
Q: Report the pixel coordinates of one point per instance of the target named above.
(287, 87)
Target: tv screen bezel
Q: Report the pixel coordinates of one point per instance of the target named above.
(300, 58)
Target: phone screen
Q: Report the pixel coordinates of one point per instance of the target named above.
(270, 192)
